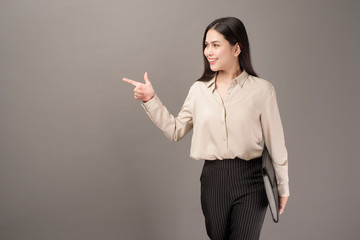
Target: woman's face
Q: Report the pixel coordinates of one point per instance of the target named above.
(219, 52)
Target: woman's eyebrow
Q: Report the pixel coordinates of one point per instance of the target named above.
(213, 41)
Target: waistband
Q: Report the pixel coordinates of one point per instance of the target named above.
(232, 163)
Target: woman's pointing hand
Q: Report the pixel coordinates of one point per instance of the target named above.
(142, 91)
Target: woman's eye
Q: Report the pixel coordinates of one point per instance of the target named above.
(216, 45)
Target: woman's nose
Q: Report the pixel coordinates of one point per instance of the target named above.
(208, 51)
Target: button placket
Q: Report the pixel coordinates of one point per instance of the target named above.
(224, 124)
(230, 88)
(218, 98)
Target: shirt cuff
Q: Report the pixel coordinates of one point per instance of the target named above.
(151, 104)
(283, 190)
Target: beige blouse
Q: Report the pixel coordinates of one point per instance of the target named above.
(235, 127)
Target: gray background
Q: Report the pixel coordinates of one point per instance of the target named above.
(80, 159)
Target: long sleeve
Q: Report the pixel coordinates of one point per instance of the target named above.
(275, 141)
(174, 128)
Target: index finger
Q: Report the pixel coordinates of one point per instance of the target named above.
(135, 83)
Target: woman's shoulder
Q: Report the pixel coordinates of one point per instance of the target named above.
(194, 89)
(261, 84)
(197, 85)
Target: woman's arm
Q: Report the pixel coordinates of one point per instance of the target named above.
(275, 142)
(174, 128)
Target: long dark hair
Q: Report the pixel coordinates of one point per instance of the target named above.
(234, 31)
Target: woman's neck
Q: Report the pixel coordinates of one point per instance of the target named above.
(227, 76)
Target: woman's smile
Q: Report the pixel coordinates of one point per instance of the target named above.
(212, 60)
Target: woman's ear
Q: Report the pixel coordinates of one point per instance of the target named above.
(237, 49)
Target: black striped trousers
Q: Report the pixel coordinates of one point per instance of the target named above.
(233, 198)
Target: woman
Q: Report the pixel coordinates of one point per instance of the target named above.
(232, 112)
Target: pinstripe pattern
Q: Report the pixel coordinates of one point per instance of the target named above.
(233, 199)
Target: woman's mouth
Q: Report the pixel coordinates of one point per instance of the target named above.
(212, 60)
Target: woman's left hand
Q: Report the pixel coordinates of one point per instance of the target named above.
(282, 204)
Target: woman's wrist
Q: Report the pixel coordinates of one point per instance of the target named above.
(146, 100)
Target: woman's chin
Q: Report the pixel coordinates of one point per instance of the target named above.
(214, 69)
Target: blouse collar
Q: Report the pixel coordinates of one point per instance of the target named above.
(239, 80)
